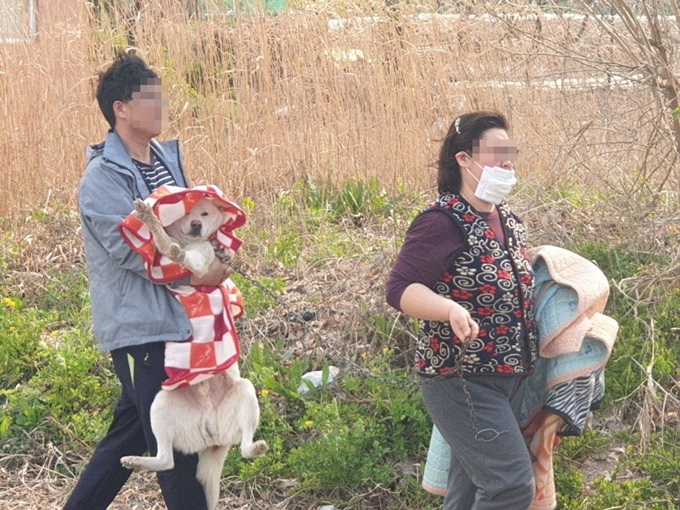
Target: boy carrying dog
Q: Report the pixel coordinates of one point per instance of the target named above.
(132, 316)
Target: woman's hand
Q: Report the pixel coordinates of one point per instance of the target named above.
(217, 273)
(462, 323)
(420, 301)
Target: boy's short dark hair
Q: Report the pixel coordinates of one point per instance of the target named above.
(125, 76)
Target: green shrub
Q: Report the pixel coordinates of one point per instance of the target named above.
(348, 434)
(70, 394)
(22, 346)
(355, 200)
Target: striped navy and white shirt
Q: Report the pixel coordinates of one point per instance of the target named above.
(155, 175)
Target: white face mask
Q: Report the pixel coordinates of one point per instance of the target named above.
(495, 184)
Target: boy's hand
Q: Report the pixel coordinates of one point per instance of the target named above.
(217, 273)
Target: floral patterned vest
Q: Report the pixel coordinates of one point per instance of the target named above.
(495, 284)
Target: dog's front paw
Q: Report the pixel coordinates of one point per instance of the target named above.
(143, 210)
(130, 462)
(176, 253)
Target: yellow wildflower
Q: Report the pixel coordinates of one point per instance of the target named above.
(9, 302)
(309, 423)
(265, 393)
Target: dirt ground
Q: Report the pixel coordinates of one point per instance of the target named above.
(27, 484)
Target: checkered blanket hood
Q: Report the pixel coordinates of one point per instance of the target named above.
(213, 346)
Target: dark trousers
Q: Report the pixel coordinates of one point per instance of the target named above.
(141, 372)
(490, 463)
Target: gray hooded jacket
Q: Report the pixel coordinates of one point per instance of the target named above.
(127, 309)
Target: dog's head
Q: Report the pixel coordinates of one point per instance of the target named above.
(205, 217)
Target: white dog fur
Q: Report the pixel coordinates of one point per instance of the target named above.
(211, 416)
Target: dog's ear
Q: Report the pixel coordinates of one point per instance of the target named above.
(216, 203)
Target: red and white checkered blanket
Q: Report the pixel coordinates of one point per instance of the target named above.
(213, 346)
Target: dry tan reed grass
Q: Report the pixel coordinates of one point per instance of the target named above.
(266, 100)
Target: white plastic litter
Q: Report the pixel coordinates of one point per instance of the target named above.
(315, 378)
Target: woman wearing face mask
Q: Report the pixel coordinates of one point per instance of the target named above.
(464, 271)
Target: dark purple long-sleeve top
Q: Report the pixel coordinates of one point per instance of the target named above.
(428, 250)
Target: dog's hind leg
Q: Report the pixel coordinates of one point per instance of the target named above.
(209, 472)
(164, 457)
(249, 414)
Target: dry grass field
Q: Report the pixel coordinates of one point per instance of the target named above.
(262, 101)
(333, 92)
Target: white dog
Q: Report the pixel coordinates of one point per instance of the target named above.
(211, 416)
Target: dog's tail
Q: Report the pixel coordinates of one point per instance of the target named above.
(209, 472)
